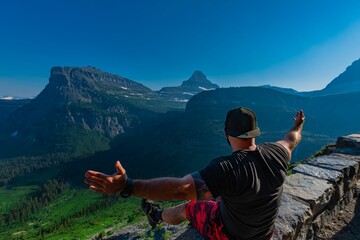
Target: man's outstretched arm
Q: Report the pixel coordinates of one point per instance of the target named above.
(293, 137)
(167, 188)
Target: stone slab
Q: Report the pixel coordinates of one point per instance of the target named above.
(316, 192)
(347, 167)
(348, 144)
(318, 172)
(292, 219)
(346, 157)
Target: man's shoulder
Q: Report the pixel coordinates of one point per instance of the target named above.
(271, 145)
(274, 147)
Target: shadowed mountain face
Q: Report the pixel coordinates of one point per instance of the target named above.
(194, 85)
(80, 110)
(83, 108)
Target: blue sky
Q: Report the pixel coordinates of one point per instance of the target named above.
(297, 44)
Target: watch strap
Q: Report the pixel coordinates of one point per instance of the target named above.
(128, 188)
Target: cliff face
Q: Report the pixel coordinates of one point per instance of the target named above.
(87, 84)
(78, 104)
(94, 99)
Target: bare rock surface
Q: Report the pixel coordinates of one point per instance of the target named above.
(314, 191)
(321, 173)
(292, 216)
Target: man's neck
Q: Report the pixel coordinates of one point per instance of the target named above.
(243, 144)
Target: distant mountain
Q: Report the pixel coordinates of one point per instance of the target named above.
(195, 84)
(79, 110)
(280, 89)
(83, 108)
(346, 82)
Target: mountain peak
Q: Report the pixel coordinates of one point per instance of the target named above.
(198, 76)
(348, 81)
(195, 84)
(197, 79)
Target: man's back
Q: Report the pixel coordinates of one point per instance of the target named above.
(250, 186)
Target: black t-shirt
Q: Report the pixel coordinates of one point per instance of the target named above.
(250, 186)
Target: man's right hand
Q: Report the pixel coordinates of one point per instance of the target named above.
(107, 184)
(299, 119)
(293, 137)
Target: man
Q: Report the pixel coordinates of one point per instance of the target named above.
(247, 184)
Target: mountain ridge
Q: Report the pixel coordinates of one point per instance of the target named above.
(84, 102)
(79, 102)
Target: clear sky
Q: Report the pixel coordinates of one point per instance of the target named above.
(298, 44)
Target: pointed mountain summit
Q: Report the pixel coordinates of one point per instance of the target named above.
(194, 85)
(198, 79)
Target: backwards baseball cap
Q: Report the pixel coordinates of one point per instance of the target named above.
(241, 123)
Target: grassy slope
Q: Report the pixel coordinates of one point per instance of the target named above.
(10, 197)
(65, 207)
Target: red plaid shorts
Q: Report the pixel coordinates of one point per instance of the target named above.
(205, 217)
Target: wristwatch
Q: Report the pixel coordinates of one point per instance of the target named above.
(128, 188)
